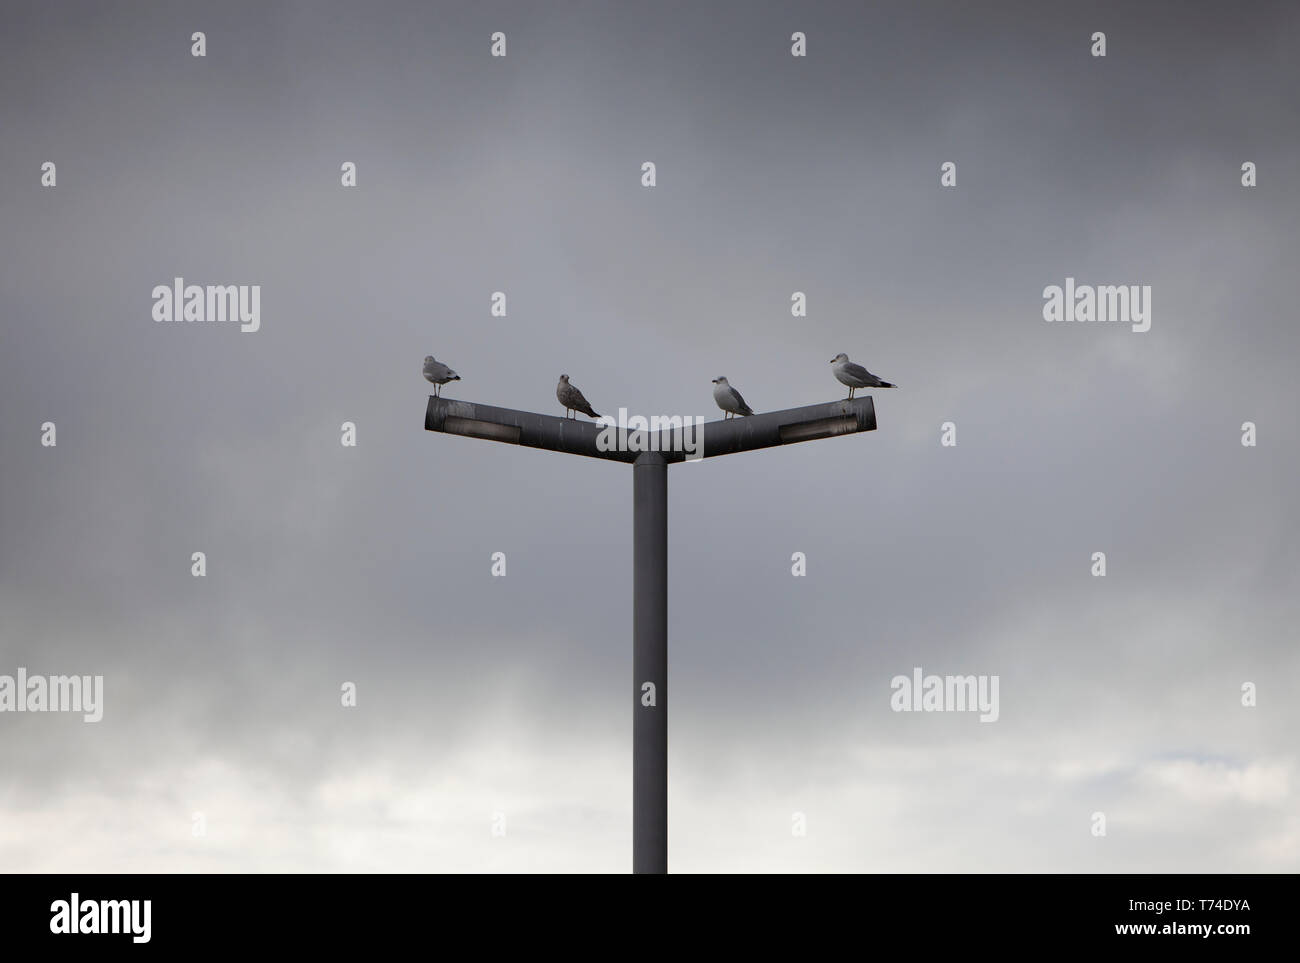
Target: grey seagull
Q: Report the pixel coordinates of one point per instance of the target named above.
(854, 375)
(438, 373)
(572, 399)
(728, 399)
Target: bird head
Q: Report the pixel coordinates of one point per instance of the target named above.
(719, 381)
(839, 357)
(564, 378)
(428, 358)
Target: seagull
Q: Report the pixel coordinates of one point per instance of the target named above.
(438, 373)
(728, 399)
(572, 399)
(854, 375)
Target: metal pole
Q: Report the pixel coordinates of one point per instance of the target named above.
(650, 458)
(650, 664)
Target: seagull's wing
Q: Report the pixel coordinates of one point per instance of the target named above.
(573, 398)
(859, 372)
(739, 401)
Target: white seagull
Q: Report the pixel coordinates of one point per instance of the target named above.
(728, 399)
(572, 399)
(854, 375)
(438, 373)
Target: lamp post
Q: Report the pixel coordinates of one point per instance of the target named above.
(650, 454)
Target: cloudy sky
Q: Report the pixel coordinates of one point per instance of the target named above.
(480, 695)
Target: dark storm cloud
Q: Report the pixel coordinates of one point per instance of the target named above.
(774, 175)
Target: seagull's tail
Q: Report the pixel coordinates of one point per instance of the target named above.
(455, 377)
(886, 384)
